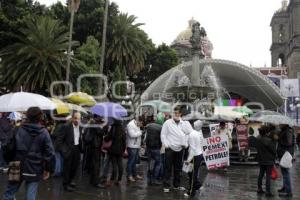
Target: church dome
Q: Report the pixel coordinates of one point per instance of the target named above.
(183, 39)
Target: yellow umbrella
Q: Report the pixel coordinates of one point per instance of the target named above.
(81, 98)
(61, 107)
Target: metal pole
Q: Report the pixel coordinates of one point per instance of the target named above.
(103, 44)
(70, 46)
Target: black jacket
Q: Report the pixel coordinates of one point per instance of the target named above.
(153, 140)
(65, 139)
(266, 150)
(5, 129)
(117, 136)
(35, 151)
(93, 137)
(286, 142)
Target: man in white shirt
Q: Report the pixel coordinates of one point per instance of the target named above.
(195, 141)
(134, 138)
(174, 140)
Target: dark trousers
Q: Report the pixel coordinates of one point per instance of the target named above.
(95, 166)
(154, 164)
(71, 164)
(117, 166)
(194, 182)
(173, 162)
(265, 169)
(286, 178)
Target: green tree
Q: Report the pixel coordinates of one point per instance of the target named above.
(38, 58)
(128, 45)
(12, 16)
(158, 61)
(87, 58)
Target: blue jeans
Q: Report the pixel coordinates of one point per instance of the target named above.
(287, 185)
(153, 167)
(133, 156)
(12, 189)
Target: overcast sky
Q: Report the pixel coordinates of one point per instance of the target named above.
(239, 29)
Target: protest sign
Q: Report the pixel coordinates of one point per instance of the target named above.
(242, 136)
(213, 129)
(216, 152)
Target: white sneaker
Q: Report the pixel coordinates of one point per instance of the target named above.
(166, 190)
(186, 195)
(179, 188)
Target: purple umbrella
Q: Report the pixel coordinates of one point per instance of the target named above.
(109, 109)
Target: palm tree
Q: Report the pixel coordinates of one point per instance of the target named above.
(129, 45)
(38, 58)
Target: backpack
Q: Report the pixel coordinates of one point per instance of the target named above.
(9, 147)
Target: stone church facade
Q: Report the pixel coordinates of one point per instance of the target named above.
(285, 48)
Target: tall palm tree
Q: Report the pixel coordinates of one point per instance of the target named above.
(129, 45)
(38, 58)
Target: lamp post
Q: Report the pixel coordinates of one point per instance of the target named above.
(73, 6)
(295, 107)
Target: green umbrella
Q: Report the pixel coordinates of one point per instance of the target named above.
(245, 110)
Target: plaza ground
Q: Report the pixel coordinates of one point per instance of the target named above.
(238, 183)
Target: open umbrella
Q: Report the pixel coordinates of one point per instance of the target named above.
(263, 113)
(61, 107)
(109, 109)
(21, 101)
(81, 98)
(244, 110)
(277, 120)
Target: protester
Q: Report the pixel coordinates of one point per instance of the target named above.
(69, 142)
(5, 130)
(153, 145)
(117, 138)
(174, 140)
(195, 156)
(134, 134)
(223, 130)
(285, 143)
(93, 138)
(266, 155)
(36, 154)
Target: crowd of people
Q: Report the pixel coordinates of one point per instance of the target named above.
(32, 151)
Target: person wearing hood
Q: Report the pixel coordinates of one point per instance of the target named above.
(153, 145)
(35, 152)
(195, 156)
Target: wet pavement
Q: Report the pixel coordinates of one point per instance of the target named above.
(238, 183)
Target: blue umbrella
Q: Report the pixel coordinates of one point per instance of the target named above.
(109, 109)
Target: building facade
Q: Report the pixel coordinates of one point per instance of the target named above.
(285, 48)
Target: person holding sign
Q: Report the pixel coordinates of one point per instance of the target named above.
(195, 157)
(174, 140)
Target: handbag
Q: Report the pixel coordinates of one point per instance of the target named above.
(106, 146)
(14, 167)
(274, 173)
(14, 171)
(286, 160)
(187, 167)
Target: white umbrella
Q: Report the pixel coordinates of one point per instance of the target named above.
(277, 120)
(21, 101)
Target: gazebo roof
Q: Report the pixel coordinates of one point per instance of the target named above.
(232, 76)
